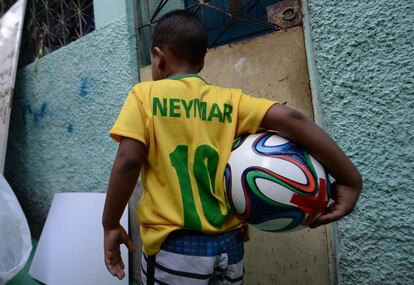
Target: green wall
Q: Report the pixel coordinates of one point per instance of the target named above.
(364, 53)
(63, 108)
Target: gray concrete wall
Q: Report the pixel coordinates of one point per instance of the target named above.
(364, 52)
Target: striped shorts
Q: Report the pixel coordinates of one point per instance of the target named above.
(197, 259)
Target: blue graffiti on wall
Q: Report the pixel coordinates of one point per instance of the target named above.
(26, 110)
(39, 115)
(70, 128)
(84, 87)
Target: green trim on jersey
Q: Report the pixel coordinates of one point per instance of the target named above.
(178, 77)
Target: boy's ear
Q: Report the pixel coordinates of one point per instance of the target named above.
(160, 56)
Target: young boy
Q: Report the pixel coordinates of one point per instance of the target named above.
(180, 130)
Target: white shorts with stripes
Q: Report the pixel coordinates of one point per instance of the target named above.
(196, 260)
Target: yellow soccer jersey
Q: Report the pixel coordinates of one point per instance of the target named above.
(188, 127)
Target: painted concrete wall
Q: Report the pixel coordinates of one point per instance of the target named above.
(365, 56)
(63, 108)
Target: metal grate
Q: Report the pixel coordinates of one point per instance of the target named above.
(5, 5)
(226, 21)
(52, 24)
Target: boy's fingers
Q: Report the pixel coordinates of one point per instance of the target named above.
(118, 271)
(110, 269)
(113, 259)
(120, 274)
(127, 241)
(333, 216)
(119, 263)
(111, 263)
(116, 268)
(108, 262)
(130, 245)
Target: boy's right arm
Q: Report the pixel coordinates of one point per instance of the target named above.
(305, 133)
(124, 176)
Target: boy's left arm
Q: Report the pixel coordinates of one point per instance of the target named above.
(305, 133)
(124, 176)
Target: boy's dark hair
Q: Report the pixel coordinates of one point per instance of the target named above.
(183, 33)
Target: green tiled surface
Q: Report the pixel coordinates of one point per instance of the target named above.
(23, 278)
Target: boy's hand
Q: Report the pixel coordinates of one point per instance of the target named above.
(113, 260)
(305, 133)
(345, 198)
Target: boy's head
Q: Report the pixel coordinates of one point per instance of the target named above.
(179, 44)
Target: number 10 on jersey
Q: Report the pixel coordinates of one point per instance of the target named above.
(204, 169)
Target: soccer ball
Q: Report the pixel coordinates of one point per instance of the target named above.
(274, 185)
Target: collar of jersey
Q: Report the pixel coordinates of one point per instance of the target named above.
(178, 77)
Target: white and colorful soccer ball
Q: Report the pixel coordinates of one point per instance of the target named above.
(274, 185)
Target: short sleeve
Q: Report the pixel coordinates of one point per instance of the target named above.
(131, 119)
(251, 112)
